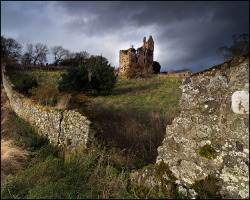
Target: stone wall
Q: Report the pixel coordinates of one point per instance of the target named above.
(66, 128)
(215, 121)
(182, 74)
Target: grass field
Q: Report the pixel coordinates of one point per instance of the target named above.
(133, 117)
(131, 123)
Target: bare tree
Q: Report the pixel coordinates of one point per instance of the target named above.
(40, 53)
(10, 48)
(75, 59)
(81, 57)
(59, 53)
(240, 46)
(28, 56)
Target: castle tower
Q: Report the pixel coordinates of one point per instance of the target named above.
(151, 43)
(142, 57)
(144, 41)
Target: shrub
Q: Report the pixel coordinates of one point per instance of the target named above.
(78, 101)
(25, 83)
(74, 80)
(46, 96)
(103, 77)
(156, 67)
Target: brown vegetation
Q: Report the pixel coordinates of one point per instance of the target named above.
(12, 157)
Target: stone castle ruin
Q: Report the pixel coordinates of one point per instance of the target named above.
(143, 56)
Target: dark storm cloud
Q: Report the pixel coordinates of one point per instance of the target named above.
(186, 34)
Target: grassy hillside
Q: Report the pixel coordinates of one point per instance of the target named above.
(133, 117)
(130, 124)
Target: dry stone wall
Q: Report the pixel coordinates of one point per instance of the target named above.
(214, 120)
(215, 112)
(66, 128)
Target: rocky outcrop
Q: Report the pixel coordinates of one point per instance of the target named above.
(210, 138)
(65, 128)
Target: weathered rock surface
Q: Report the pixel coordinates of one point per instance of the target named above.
(214, 120)
(215, 111)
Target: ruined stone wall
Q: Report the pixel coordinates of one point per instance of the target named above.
(143, 57)
(181, 74)
(210, 138)
(64, 128)
(215, 112)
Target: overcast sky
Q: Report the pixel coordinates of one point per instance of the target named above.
(185, 34)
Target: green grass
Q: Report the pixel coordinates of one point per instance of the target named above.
(156, 94)
(86, 174)
(46, 78)
(135, 115)
(131, 122)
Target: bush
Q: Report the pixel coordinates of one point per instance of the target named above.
(74, 80)
(156, 67)
(103, 77)
(78, 101)
(25, 83)
(46, 96)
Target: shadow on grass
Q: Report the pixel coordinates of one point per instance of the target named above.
(138, 136)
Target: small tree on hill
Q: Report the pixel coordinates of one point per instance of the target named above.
(156, 67)
(74, 80)
(103, 77)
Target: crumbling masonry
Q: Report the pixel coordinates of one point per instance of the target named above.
(143, 56)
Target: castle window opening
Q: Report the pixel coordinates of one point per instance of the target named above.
(144, 53)
(136, 60)
(144, 60)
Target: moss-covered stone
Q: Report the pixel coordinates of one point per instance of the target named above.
(207, 152)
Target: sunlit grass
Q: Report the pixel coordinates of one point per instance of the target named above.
(46, 78)
(156, 94)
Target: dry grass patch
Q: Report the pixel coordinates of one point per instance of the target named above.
(12, 158)
(63, 102)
